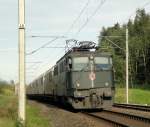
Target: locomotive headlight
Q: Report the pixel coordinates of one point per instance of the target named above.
(91, 57)
(79, 94)
(78, 85)
(106, 84)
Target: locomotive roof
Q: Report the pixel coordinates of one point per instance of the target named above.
(72, 53)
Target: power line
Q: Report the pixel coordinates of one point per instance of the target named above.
(34, 51)
(31, 66)
(34, 62)
(144, 5)
(113, 43)
(45, 36)
(93, 14)
(55, 47)
(38, 67)
(78, 17)
(75, 21)
(81, 12)
(34, 36)
(9, 50)
(44, 64)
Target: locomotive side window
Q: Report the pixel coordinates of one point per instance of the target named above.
(64, 65)
(50, 76)
(102, 63)
(80, 63)
(42, 80)
(70, 63)
(61, 67)
(56, 70)
(110, 61)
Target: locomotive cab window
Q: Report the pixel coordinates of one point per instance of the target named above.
(102, 63)
(69, 63)
(80, 63)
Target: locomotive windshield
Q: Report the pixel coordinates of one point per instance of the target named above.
(80, 63)
(83, 63)
(103, 62)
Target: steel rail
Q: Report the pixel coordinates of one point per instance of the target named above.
(133, 106)
(115, 123)
(131, 116)
(119, 123)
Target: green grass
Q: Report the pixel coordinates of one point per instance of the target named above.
(6, 122)
(8, 111)
(136, 96)
(35, 119)
(6, 89)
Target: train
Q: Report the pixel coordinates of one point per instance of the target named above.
(82, 78)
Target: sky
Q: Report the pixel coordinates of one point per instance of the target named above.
(54, 18)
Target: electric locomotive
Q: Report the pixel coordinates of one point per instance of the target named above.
(83, 78)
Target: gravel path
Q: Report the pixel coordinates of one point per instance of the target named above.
(60, 117)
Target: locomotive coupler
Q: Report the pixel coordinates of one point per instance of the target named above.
(94, 100)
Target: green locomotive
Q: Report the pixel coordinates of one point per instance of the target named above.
(81, 78)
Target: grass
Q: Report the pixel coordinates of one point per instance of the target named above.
(6, 122)
(8, 111)
(136, 96)
(35, 119)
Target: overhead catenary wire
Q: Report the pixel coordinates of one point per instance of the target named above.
(91, 16)
(44, 64)
(75, 21)
(78, 17)
(114, 43)
(45, 36)
(38, 66)
(36, 50)
(33, 65)
(144, 5)
(9, 50)
(55, 47)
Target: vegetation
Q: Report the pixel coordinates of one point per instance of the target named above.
(8, 107)
(35, 119)
(139, 49)
(8, 110)
(136, 96)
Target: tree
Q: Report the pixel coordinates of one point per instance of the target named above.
(139, 48)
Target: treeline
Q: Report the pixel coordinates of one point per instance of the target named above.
(3, 82)
(139, 48)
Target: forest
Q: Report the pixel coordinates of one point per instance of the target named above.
(139, 48)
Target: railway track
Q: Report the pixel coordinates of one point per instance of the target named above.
(120, 119)
(133, 106)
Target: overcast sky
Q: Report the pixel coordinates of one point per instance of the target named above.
(54, 18)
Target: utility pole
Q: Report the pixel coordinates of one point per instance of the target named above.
(127, 64)
(21, 110)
